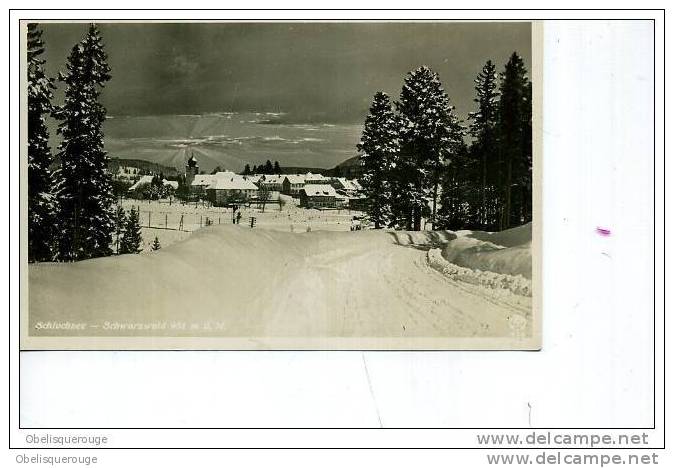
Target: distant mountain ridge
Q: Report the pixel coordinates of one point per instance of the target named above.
(344, 169)
(147, 166)
(349, 168)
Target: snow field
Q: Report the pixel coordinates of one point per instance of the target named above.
(161, 219)
(235, 281)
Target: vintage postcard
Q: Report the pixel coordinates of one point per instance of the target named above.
(281, 185)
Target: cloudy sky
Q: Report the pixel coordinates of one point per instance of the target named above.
(313, 71)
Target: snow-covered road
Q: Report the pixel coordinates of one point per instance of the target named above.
(237, 282)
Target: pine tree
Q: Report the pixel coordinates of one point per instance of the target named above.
(483, 129)
(155, 244)
(41, 200)
(246, 170)
(522, 174)
(120, 223)
(514, 111)
(268, 167)
(456, 197)
(277, 168)
(380, 148)
(431, 134)
(132, 240)
(84, 188)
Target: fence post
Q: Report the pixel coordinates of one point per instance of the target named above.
(166, 220)
(149, 218)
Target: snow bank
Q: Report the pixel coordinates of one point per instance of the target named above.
(422, 238)
(507, 252)
(487, 279)
(519, 235)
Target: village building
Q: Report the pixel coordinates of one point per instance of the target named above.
(292, 184)
(199, 183)
(341, 200)
(310, 178)
(318, 196)
(358, 202)
(272, 183)
(227, 187)
(347, 186)
(138, 189)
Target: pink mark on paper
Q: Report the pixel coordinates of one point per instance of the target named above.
(603, 231)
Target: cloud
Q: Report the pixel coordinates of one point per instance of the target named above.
(183, 67)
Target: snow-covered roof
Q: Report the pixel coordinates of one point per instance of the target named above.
(319, 190)
(235, 182)
(147, 180)
(272, 179)
(348, 184)
(144, 180)
(311, 177)
(225, 175)
(254, 177)
(295, 178)
(202, 179)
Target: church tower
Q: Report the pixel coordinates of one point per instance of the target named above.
(191, 169)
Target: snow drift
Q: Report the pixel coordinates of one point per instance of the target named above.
(507, 252)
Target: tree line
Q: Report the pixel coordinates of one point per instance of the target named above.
(419, 160)
(71, 214)
(267, 168)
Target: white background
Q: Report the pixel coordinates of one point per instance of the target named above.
(596, 366)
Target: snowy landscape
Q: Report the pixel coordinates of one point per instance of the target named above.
(236, 281)
(363, 216)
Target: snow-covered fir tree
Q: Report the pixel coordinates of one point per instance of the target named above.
(120, 224)
(431, 134)
(515, 141)
(132, 241)
(86, 216)
(155, 244)
(379, 147)
(41, 200)
(455, 210)
(524, 168)
(484, 149)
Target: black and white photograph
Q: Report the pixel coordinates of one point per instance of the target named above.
(281, 185)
